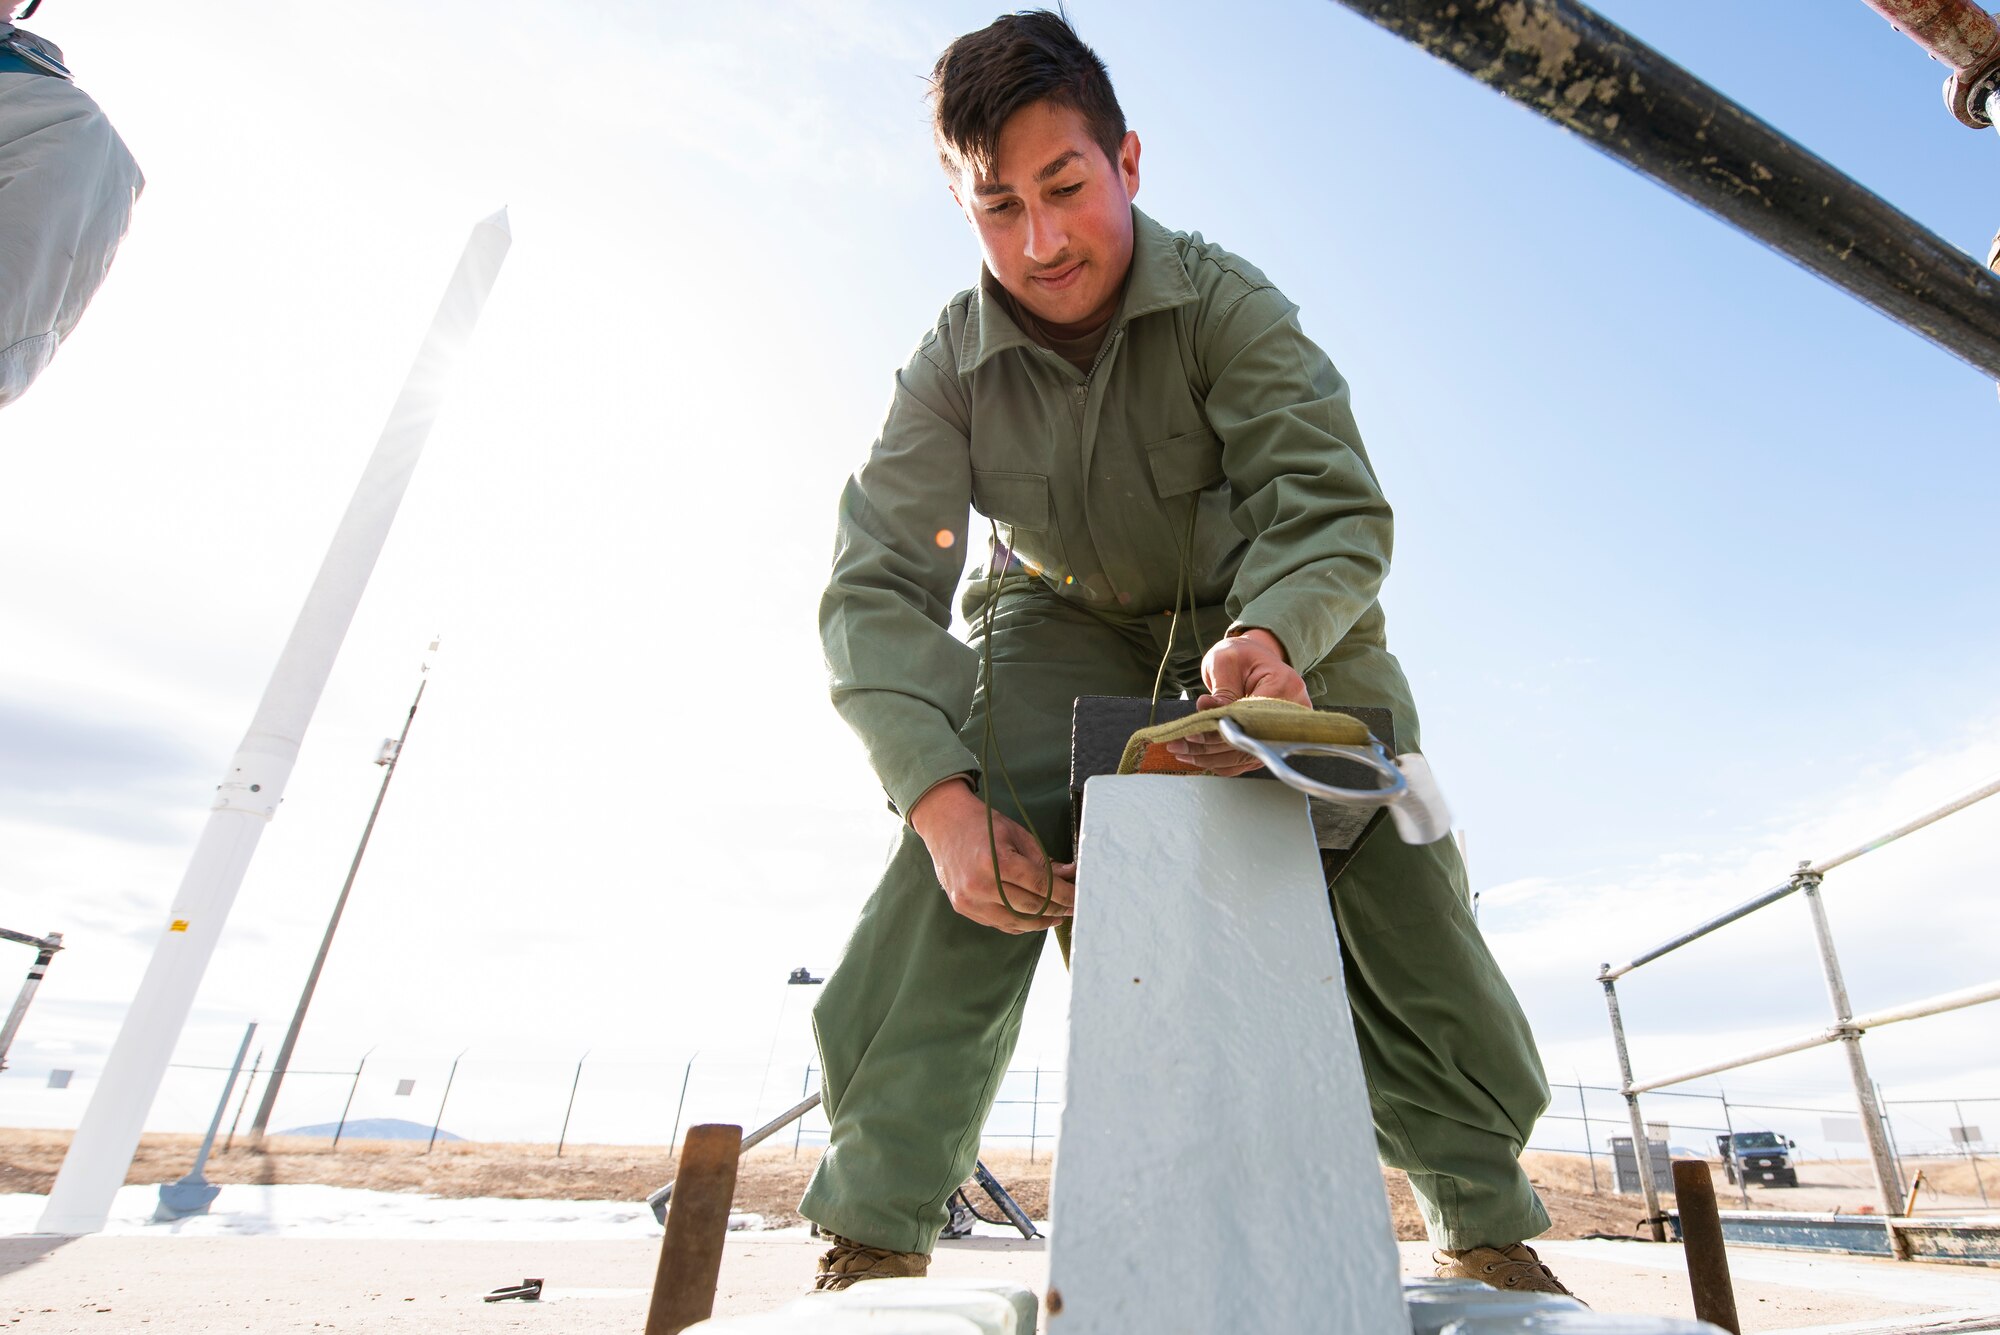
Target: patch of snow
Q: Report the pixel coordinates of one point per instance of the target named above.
(301, 1210)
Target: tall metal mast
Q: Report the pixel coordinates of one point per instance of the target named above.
(391, 753)
(254, 783)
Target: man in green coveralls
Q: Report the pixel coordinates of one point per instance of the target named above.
(1136, 411)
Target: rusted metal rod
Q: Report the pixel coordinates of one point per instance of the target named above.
(1693, 934)
(1916, 1185)
(691, 1252)
(659, 1199)
(1590, 76)
(1701, 1239)
(1963, 38)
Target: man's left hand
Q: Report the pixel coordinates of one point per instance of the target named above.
(1252, 663)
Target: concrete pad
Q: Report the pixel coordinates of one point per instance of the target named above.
(1807, 1289)
(279, 1286)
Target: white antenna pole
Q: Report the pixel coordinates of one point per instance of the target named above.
(254, 783)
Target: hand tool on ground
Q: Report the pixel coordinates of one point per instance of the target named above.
(528, 1291)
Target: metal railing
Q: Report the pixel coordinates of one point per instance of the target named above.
(45, 950)
(1846, 1029)
(1649, 113)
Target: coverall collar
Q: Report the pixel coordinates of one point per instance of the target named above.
(1157, 281)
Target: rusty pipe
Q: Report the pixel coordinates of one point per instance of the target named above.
(1701, 1240)
(1959, 35)
(691, 1251)
(1565, 61)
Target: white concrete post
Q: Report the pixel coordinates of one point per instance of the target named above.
(1218, 1168)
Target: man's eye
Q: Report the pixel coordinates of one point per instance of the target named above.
(1070, 189)
(996, 209)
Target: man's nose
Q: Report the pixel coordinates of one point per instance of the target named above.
(1046, 236)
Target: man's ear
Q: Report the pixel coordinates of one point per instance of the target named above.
(1128, 163)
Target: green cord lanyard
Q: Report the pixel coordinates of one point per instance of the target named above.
(990, 755)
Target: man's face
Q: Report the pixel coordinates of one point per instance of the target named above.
(1054, 216)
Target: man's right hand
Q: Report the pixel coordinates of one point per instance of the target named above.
(951, 820)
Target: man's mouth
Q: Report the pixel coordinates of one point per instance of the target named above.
(1057, 279)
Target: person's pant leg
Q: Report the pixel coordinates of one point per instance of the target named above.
(918, 1022)
(915, 1029)
(1454, 1081)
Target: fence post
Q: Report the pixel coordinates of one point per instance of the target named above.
(1589, 1150)
(1889, 1130)
(1642, 1146)
(1729, 1155)
(1960, 1114)
(562, 1139)
(446, 1099)
(674, 1139)
(244, 1102)
(799, 1130)
(1035, 1113)
(348, 1106)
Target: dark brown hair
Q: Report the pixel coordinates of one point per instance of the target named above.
(1019, 59)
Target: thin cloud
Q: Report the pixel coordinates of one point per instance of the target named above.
(116, 778)
(1910, 920)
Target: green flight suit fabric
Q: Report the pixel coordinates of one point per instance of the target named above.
(1206, 394)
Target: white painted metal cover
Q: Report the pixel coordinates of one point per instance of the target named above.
(1218, 1168)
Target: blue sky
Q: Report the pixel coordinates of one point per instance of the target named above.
(1695, 569)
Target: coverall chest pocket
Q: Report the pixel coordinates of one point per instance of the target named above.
(1184, 463)
(1187, 472)
(1020, 504)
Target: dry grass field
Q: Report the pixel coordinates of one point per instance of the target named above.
(1959, 1177)
(768, 1183)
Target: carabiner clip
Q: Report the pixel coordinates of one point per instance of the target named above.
(1409, 790)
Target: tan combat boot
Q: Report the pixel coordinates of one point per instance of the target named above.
(850, 1262)
(1515, 1268)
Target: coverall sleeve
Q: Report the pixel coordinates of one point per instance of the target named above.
(898, 676)
(67, 185)
(1320, 531)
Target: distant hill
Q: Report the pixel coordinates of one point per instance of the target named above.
(372, 1128)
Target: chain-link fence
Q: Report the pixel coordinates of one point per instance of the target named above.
(1929, 1133)
(491, 1097)
(480, 1096)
